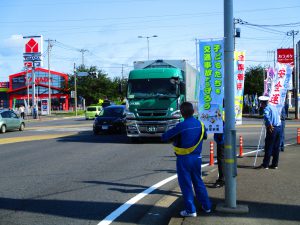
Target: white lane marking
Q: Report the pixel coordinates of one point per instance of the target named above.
(115, 214)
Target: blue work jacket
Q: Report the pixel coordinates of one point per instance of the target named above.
(271, 116)
(186, 134)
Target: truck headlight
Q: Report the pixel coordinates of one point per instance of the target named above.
(130, 115)
(176, 114)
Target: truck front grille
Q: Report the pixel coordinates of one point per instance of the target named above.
(153, 112)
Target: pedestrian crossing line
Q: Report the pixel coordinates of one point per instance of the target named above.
(34, 138)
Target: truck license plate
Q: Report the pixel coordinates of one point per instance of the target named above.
(151, 129)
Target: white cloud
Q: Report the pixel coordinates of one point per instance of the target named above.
(12, 45)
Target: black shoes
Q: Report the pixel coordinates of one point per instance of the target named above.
(274, 167)
(262, 167)
(266, 168)
(219, 184)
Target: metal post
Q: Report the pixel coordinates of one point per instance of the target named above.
(148, 41)
(230, 187)
(33, 91)
(297, 72)
(75, 84)
(27, 84)
(49, 78)
(293, 33)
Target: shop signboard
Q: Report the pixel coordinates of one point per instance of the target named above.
(33, 48)
(44, 107)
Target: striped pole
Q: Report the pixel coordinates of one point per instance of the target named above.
(241, 147)
(211, 154)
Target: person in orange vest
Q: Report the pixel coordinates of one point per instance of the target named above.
(187, 137)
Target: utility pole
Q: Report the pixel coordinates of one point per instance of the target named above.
(230, 205)
(75, 89)
(82, 56)
(50, 45)
(273, 55)
(237, 31)
(293, 33)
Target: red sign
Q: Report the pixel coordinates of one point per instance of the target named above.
(40, 80)
(32, 46)
(4, 84)
(285, 55)
(28, 64)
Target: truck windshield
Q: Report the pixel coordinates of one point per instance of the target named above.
(151, 87)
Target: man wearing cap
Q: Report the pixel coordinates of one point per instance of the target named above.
(187, 139)
(272, 140)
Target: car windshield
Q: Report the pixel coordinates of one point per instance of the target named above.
(90, 109)
(112, 112)
(151, 87)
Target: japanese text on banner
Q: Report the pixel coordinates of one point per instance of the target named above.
(211, 92)
(239, 71)
(280, 85)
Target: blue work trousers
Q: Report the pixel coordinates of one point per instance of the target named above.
(272, 143)
(189, 176)
(282, 135)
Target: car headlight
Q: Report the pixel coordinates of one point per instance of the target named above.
(130, 115)
(176, 114)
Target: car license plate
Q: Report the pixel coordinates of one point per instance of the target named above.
(104, 127)
(151, 129)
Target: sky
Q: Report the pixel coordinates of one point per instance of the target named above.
(108, 30)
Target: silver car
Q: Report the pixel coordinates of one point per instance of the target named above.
(10, 121)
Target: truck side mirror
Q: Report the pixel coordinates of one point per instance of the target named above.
(182, 87)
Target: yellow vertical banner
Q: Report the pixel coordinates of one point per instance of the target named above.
(239, 72)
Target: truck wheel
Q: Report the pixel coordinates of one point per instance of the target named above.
(3, 129)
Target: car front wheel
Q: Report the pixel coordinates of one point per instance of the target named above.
(22, 127)
(3, 129)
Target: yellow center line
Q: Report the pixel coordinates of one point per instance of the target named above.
(58, 126)
(34, 138)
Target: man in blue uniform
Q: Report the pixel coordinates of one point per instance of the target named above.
(187, 139)
(272, 140)
(283, 117)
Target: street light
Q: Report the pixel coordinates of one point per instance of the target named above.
(147, 41)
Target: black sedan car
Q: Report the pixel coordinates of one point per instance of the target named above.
(111, 119)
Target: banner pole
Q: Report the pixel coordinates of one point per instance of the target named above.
(262, 128)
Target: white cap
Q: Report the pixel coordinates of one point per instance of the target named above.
(263, 98)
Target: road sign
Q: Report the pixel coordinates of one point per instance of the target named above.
(82, 74)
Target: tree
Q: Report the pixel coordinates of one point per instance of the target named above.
(254, 80)
(96, 85)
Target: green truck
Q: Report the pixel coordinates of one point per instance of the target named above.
(156, 88)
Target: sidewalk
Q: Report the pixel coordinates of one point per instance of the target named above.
(273, 196)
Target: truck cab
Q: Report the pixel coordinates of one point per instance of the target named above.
(155, 92)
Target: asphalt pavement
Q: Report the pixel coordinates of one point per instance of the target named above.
(272, 195)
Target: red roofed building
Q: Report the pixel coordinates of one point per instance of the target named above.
(20, 89)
